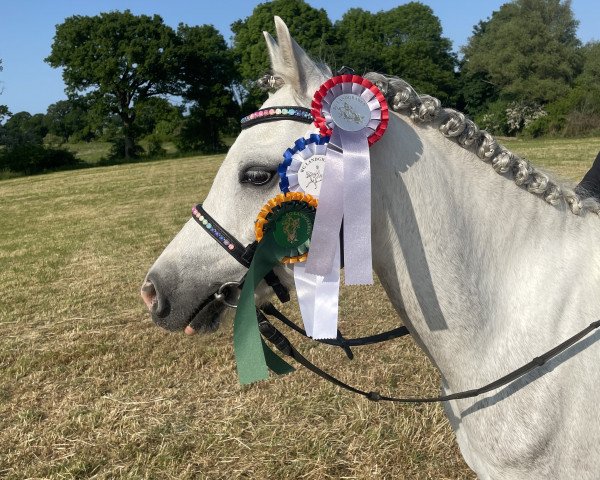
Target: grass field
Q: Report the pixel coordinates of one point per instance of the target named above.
(92, 152)
(90, 388)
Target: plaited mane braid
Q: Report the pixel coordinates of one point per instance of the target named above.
(403, 99)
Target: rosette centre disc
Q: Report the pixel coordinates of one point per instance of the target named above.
(350, 112)
(293, 229)
(310, 174)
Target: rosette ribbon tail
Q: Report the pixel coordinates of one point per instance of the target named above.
(283, 230)
(328, 219)
(358, 265)
(253, 357)
(318, 298)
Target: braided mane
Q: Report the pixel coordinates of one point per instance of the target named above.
(403, 99)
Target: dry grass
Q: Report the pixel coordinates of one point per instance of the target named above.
(90, 388)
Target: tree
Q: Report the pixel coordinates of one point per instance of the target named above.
(4, 112)
(69, 119)
(405, 41)
(591, 67)
(24, 129)
(358, 41)
(157, 115)
(528, 51)
(207, 72)
(578, 113)
(120, 58)
(309, 26)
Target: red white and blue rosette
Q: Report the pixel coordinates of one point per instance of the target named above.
(329, 109)
(354, 113)
(318, 296)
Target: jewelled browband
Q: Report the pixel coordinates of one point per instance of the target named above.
(299, 114)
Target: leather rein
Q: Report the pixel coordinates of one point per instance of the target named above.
(244, 254)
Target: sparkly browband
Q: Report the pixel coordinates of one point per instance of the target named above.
(299, 114)
(222, 236)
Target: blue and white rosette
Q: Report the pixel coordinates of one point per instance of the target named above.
(318, 296)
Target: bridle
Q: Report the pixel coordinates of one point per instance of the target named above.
(244, 254)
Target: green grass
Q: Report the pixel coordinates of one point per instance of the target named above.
(90, 388)
(92, 152)
(89, 152)
(569, 158)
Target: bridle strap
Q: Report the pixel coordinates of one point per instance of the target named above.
(271, 114)
(242, 254)
(285, 347)
(340, 340)
(234, 248)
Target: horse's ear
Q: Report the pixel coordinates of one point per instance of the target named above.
(290, 62)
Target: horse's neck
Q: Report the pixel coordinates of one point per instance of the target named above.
(468, 257)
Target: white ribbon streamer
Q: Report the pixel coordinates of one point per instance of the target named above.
(353, 112)
(319, 299)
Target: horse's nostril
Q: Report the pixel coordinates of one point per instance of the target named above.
(149, 295)
(155, 299)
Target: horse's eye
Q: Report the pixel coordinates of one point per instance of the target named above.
(257, 176)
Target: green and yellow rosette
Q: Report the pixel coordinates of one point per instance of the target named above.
(283, 230)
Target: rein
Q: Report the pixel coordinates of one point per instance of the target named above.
(244, 254)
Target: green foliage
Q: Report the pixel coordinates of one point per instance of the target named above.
(476, 92)
(494, 118)
(32, 158)
(405, 41)
(121, 57)
(208, 70)
(155, 148)
(70, 119)
(309, 26)
(122, 149)
(584, 117)
(51, 140)
(4, 112)
(199, 133)
(358, 41)
(23, 128)
(155, 114)
(578, 112)
(528, 50)
(119, 67)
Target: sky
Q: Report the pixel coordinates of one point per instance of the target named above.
(27, 28)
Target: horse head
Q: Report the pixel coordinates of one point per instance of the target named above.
(179, 288)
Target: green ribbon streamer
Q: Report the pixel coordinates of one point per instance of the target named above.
(253, 357)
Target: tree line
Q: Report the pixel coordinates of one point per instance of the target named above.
(523, 70)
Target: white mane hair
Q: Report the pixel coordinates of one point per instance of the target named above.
(403, 99)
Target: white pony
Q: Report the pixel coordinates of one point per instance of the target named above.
(488, 262)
